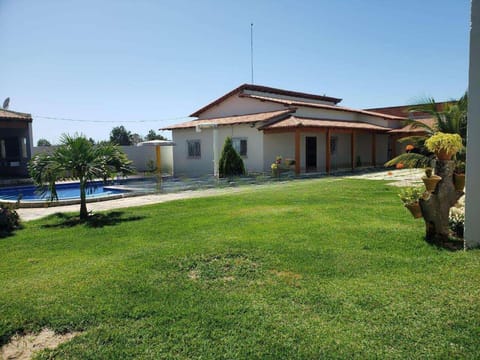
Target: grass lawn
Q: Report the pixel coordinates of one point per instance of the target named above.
(309, 269)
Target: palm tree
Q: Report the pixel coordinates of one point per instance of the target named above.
(77, 158)
(450, 117)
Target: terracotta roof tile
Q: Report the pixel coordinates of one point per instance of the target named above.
(322, 106)
(265, 89)
(295, 121)
(231, 120)
(14, 115)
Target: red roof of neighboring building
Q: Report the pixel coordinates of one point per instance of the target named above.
(14, 115)
(409, 129)
(231, 120)
(323, 106)
(295, 121)
(265, 89)
(404, 110)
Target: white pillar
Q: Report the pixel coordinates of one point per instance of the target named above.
(472, 203)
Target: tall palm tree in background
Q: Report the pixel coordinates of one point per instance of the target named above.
(449, 117)
(77, 158)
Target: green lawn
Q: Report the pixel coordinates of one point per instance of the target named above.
(304, 270)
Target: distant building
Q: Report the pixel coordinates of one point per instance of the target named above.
(266, 122)
(15, 143)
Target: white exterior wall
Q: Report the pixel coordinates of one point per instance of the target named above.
(139, 155)
(340, 159)
(382, 149)
(204, 165)
(277, 145)
(363, 149)
(325, 114)
(235, 105)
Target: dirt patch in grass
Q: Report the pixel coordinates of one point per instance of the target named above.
(24, 347)
(222, 267)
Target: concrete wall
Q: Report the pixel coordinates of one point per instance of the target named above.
(185, 166)
(472, 204)
(140, 155)
(144, 156)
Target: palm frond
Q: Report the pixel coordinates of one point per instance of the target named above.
(411, 160)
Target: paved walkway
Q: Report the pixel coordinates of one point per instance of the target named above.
(402, 177)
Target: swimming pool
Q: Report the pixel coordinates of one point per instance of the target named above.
(66, 192)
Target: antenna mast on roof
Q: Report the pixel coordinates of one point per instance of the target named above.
(251, 47)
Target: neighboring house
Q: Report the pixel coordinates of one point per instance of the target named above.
(15, 143)
(266, 122)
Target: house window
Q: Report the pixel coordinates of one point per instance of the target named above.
(193, 149)
(240, 146)
(333, 145)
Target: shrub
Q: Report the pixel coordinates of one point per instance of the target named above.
(456, 223)
(9, 220)
(450, 143)
(231, 163)
(410, 194)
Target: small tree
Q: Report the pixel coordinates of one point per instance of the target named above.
(78, 158)
(121, 136)
(43, 142)
(231, 163)
(152, 135)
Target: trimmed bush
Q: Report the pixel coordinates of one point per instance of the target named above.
(231, 163)
(9, 221)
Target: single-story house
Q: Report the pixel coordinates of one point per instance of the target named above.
(15, 143)
(266, 122)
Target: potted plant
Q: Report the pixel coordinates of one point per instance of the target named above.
(459, 176)
(430, 180)
(444, 145)
(410, 196)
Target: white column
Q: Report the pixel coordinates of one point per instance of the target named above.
(472, 205)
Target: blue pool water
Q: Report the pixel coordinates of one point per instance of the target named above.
(65, 192)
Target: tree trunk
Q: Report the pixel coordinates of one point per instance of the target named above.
(436, 206)
(83, 200)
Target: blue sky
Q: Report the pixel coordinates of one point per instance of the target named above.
(146, 64)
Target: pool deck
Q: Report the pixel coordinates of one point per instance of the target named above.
(402, 177)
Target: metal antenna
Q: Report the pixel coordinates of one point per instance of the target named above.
(251, 48)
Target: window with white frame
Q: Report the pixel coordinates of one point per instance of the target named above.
(240, 146)
(194, 149)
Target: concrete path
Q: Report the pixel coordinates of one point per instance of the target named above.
(402, 177)
(27, 214)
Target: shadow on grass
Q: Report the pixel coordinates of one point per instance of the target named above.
(93, 221)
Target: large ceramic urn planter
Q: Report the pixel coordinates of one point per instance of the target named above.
(459, 181)
(444, 155)
(431, 182)
(414, 209)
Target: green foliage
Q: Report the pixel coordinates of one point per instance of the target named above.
(77, 158)
(410, 194)
(449, 118)
(152, 135)
(428, 172)
(411, 160)
(43, 142)
(121, 136)
(456, 223)
(245, 279)
(450, 143)
(231, 164)
(9, 220)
